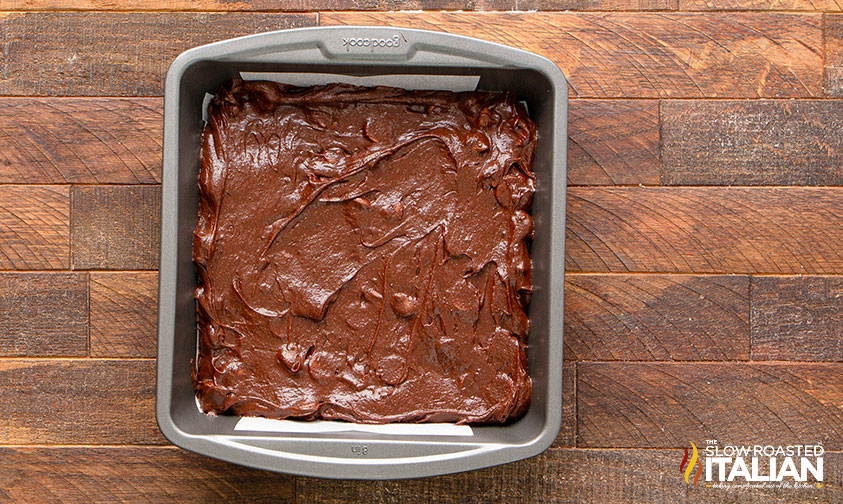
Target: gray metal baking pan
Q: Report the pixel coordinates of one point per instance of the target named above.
(361, 51)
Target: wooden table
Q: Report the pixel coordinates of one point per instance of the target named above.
(705, 244)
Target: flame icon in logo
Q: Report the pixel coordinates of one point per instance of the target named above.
(690, 468)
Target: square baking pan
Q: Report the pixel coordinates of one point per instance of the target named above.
(421, 57)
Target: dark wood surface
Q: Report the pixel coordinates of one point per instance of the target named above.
(113, 54)
(833, 40)
(96, 141)
(115, 227)
(44, 314)
(78, 401)
(704, 296)
(781, 230)
(656, 317)
(798, 142)
(633, 404)
(34, 227)
(613, 142)
(797, 318)
(110, 475)
(124, 313)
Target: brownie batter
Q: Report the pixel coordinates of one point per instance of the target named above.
(362, 254)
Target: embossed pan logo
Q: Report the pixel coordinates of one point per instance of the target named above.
(372, 43)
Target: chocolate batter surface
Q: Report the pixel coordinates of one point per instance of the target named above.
(362, 254)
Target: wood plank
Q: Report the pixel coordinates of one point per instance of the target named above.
(797, 318)
(833, 43)
(705, 230)
(622, 55)
(571, 476)
(43, 314)
(603, 5)
(34, 227)
(81, 141)
(761, 5)
(116, 227)
(132, 474)
(113, 54)
(660, 405)
(244, 5)
(752, 142)
(78, 401)
(656, 317)
(568, 432)
(124, 314)
(327, 5)
(613, 142)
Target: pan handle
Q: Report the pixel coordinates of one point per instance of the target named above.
(376, 44)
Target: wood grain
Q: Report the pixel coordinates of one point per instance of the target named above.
(133, 474)
(833, 43)
(797, 318)
(705, 230)
(78, 401)
(113, 54)
(761, 5)
(81, 140)
(34, 227)
(613, 142)
(116, 227)
(656, 317)
(568, 432)
(245, 5)
(570, 476)
(305, 5)
(43, 314)
(756, 142)
(603, 5)
(621, 55)
(518, 5)
(623, 404)
(124, 314)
